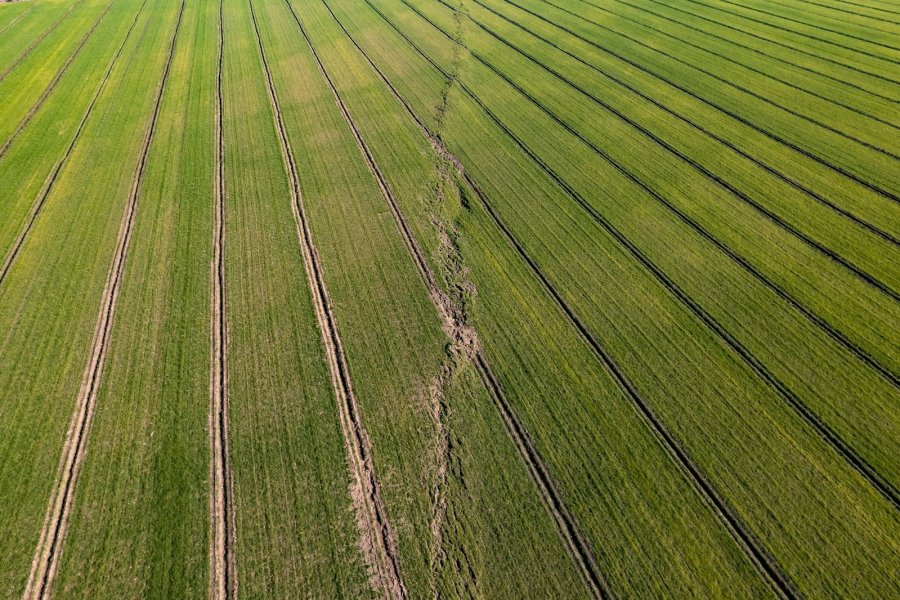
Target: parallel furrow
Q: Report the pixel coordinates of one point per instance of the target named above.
(578, 546)
(705, 172)
(814, 26)
(767, 75)
(768, 168)
(837, 335)
(706, 32)
(46, 93)
(223, 569)
(764, 562)
(831, 7)
(743, 120)
(878, 20)
(38, 203)
(823, 429)
(24, 54)
(359, 449)
(777, 42)
(844, 10)
(746, 90)
(46, 559)
(12, 23)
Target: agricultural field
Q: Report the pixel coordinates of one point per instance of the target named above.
(449, 299)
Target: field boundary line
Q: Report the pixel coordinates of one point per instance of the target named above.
(25, 53)
(886, 236)
(869, 473)
(222, 540)
(716, 179)
(745, 121)
(52, 85)
(577, 546)
(46, 559)
(368, 503)
(837, 335)
(671, 20)
(42, 196)
(16, 19)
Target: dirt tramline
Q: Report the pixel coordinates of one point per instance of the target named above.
(368, 504)
(579, 549)
(827, 432)
(773, 170)
(223, 568)
(46, 560)
(52, 85)
(38, 203)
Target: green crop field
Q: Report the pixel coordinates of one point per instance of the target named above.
(449, 299)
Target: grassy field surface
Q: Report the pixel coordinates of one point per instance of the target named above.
(449, 298)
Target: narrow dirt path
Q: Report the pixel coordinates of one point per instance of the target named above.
(378, 540)
(46, 558)
(52, 85)
(38, 203)
(223, 570)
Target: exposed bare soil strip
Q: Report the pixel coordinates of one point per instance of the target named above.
(40, 39)
(46, 559)
(12, 23)
(62, 71)
(54, 174)
(223, 568)
(378, 541)
(577, 545)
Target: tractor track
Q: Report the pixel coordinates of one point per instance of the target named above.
(834, 333)
(884, 235)
(27, 51)
(52, 85)
(774, 137)
(577, 546)
(703, 32)
(823, 430)
(893, 12)
(743, 537)
(704, 171)
(12, 23)
(750, 68)
(766, 40)
(222, 562)
(812, 26)
(42, 196)
(745, 90)
(380, 550)
(46, 560)
(712, 75)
